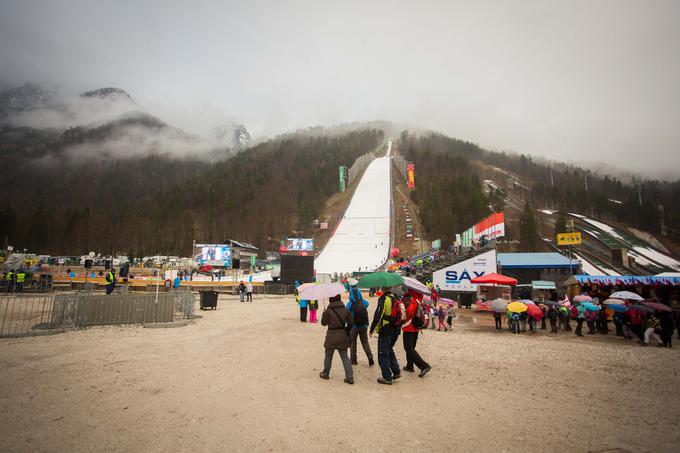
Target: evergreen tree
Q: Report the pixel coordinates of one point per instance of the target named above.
(528, 230)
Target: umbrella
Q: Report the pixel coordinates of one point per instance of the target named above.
(494, 279)
(617, 307)
(380, 280)
(303, 286)
(446, 301)
(528, 302)
(657, 306)
(415, 285)
(499, 305)
(642, 308)
(589, 306)
(517, 307)
(321, 291)
(552, 303)
(534, 311)
(352, 281)
(582, 298)
(613, 301)
(626, 295)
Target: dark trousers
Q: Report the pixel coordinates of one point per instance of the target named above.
(619, 327)
(386, 357)
(667, 338)
(579, 326)
(109, 288)
(303, 314)
(591, 327)
(514, 325)
(603, 326)
(553, 325)
(362, 333)
(328, 361)
(498, 320)
(532, 325)
(543, 323)
(412, 357)
(249, 297)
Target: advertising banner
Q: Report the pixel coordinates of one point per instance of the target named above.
(299, 245)
(411, 175)
(492, 227)
(457, 276)
(569, 238)
(342, 173)
(213, 254)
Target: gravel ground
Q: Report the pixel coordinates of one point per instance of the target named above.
(245, 377)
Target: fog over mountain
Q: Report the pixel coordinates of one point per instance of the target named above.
(569, 80)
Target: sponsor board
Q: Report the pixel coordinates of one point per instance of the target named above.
(457, 276)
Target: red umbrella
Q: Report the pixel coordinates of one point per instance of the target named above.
(494, 279)
(534, 311)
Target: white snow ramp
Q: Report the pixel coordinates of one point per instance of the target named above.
(362, 239)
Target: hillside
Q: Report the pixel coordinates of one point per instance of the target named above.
(56, 202)
(458, 183)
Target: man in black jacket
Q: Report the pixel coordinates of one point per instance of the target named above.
(388, 334)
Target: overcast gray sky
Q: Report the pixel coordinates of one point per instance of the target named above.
(569, 80)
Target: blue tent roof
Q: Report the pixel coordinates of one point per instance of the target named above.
(535, 261)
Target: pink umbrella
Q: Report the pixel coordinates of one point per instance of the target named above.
(583, 298)
(444, 300)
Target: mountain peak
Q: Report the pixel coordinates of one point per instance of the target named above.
(28, 96)
(110, 93)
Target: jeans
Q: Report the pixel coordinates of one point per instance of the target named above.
(328, 361)
(591, 327)
(412, 357)
(553, 325)
(362, 333)
(386, 357)
(241, 296)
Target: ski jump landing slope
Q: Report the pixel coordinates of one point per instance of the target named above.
(362, 239)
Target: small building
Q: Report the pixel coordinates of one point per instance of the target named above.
(245, 253)
(529, 267)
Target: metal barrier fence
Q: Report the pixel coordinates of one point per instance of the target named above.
(359, 165)
(400, 163)
(42, 285)
(34, 314)
(21, 313)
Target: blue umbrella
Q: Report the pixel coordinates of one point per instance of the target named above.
(589, 306)
(617, 307)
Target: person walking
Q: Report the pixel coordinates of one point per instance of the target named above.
(667, 327)
(553, 317)
(387, 320)
(249, 292)
(441, 317)
(21, 279)
(653, 329)
(241, 289)
(358, 315)
(415, 320)
(313, 307)
(433, 316)
(336, 317)
(450, 315)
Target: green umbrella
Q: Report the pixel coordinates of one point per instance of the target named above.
(380, 280)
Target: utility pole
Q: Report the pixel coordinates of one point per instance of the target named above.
(640, 194)
(586, 181)
(552, 181)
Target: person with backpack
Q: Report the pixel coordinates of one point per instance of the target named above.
(336, 317)
(513, 321)
(358, 315)
(415, 320)
(387, 320)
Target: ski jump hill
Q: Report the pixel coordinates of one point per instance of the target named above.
(361, 242)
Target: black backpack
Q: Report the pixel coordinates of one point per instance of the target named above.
(359, 314)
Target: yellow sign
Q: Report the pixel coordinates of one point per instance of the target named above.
(569, 238)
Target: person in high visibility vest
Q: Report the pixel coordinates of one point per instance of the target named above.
(10, 276)
(21, 278)
(110, 281)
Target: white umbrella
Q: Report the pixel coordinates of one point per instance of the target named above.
(321, 291)
(611, 301)
(626, 295)
(499, 305)
(415, 285)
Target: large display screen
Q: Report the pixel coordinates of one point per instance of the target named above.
(213, 254)
(299, 245)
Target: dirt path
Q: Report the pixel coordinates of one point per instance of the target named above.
(245, 378)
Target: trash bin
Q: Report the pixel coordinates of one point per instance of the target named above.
(208, 300)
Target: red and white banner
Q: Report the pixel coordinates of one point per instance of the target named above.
(492, 227)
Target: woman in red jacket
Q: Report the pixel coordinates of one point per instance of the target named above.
(412, 300)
